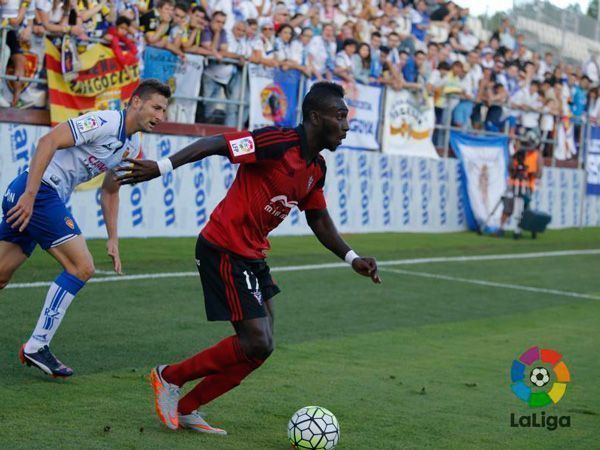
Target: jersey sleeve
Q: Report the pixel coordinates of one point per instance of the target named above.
(95, 125)
(316, 197)
(263, 143)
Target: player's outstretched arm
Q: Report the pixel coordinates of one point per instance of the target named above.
(59, 137)
(324, 229)
(109, 200)
(144, 170)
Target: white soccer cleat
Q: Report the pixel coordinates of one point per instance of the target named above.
(194, 421)
(166, 398)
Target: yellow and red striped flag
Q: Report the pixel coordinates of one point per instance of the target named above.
(101, 83)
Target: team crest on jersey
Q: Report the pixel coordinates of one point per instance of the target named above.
(242, 146)
(70, 223)
(87, 124)
(258, 296)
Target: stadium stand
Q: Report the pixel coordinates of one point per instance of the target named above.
(487, 75)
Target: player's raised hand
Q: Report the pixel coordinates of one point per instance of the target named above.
(20, 214)
(112, 248)
(367, 266)
(139, 170)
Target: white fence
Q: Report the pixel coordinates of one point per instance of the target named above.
(366, 192)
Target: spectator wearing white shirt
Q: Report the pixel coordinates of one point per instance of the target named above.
(546, 66)
(467, 39)
(591, 69)
(323, 49)
(263, 47)
(529, 104)
(344, 64)
(238, 48)
(300, 53)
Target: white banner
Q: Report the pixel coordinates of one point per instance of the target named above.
(409, 121)
(365, 191)
(364, 105)
(260, 78)
(187, 83)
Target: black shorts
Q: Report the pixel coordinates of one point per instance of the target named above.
(234, 288)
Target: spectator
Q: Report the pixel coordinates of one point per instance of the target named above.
(495, 119)
(119, 35)
(528, 102)
(419, 20)
(362, 64)
(393, 42)
(238, 48)
(323, 49)
(389, 76)
(95, 16)
(376, 67)
(156, 24)
(467, 39)
(344, 64)
(263, 47)
(591, 69)
(216, 74)
(14, 12)
(178, 31)
(192, 41)
(300, 53)
(283, 45)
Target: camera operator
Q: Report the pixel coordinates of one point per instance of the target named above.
(525, 168)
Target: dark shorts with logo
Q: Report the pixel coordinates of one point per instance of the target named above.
(234, 288)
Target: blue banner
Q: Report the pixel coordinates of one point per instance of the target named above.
(483, 177)
(593, 163)
(159, 63)
(289, 82)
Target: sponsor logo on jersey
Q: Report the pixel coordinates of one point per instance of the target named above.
(87, 124)
(284, 201)
(274, 209)
(70, 223)
(242, 146)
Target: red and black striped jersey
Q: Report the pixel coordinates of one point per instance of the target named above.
(275, 175)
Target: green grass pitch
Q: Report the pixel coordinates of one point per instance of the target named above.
(417, 362)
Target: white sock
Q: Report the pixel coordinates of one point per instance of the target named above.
(59, 297)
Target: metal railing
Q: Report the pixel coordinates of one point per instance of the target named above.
(243, 102)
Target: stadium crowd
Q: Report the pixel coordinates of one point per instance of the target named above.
(495, 82)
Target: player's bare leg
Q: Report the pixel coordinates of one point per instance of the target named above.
(77, 261)
(11, 257)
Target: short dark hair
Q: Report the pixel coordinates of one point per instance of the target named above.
(123, 20)
(162, 3)
(182, 6)
(319, 95)
(420, 52)
(375, 34)
(348, 42)
(443, 65)
(151, 86)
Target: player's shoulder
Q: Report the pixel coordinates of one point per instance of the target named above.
(274, 142)
(104, 122)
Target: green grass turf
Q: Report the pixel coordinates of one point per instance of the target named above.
(413, 363)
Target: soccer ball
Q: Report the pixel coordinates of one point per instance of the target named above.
(313, 428)
(539, 376)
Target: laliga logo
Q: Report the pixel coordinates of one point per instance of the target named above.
(274, 103)
(539, 378)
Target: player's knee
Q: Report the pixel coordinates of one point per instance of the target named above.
(260, 347)
(85, 271)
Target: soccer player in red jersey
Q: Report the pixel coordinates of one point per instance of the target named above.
(280, 168)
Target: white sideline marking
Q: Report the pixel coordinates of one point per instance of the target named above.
(517, 287)
(396, 262)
